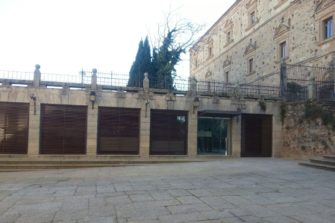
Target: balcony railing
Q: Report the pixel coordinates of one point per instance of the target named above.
(115, 81)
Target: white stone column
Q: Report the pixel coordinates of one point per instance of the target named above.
(192, 134)
(236, 136)
(145, 131)
(34, 128)
(92, 131)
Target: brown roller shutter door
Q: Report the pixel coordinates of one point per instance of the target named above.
(168, 132)
(14, 123)
(63, 129)
(118, 130)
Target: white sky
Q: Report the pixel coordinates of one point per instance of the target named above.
(64, 36)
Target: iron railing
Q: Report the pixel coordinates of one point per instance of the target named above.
(16, 77)
(304, 72)
(65, 79)
(116, 81)
(300, 79)
(228, 89)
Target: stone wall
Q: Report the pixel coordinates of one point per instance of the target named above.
(296, 22)
(304, 138)
(145, 101)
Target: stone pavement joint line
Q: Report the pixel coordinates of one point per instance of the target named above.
(253, 190)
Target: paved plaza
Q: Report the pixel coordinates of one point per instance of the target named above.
(229, 191)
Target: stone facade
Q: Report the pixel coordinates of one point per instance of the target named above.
(303, 138)
(143, 100)
(251, 39)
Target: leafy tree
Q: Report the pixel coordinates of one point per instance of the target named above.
(171, 43)
(173, 40)
(165, 58)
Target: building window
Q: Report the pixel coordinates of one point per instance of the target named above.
(210, 52)
(328, 28)
(227, 76)
(283, 50)
(228, 37)
(252, 18)
(251, 65)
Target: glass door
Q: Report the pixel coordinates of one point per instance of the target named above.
(213, 135)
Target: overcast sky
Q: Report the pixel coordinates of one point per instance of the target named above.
(64, 36)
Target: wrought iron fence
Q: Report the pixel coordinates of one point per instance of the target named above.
(109, 80)
(300, 79)
(16, 75)
(325, 90)
(117, 81)
(55, 79)
(228, 89)
(304, 72)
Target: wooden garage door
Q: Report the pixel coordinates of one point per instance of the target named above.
(256, 136)
(14, 122)
(118, 130)
(63, 129)
(168, 132)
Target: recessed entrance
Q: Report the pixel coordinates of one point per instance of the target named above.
(256, 136)
(213, 135)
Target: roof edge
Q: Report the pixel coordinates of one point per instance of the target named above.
(217, 21)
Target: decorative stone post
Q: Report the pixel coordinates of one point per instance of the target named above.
(94, 79)
(37, 76)
(311, 89)
(146, 83)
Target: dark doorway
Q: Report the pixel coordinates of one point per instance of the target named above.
(256, 136)
(118, 130)
(168, 132)
(63, 129)
(14, 119)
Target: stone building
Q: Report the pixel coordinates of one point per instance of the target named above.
(252, 38)
(97, 117)
(45, 117)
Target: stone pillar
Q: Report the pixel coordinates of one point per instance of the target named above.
(193, 86)
(94, 79)
(145, 131)
(92, 131)
(37, 76)
(192, 134)
(34, 128)
(311, 89)
(236, 136)
(146, 82)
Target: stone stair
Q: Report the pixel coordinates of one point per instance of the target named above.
(326, 162)
(22, 163)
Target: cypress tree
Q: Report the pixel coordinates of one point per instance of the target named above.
(141, 64)
(135, 68)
